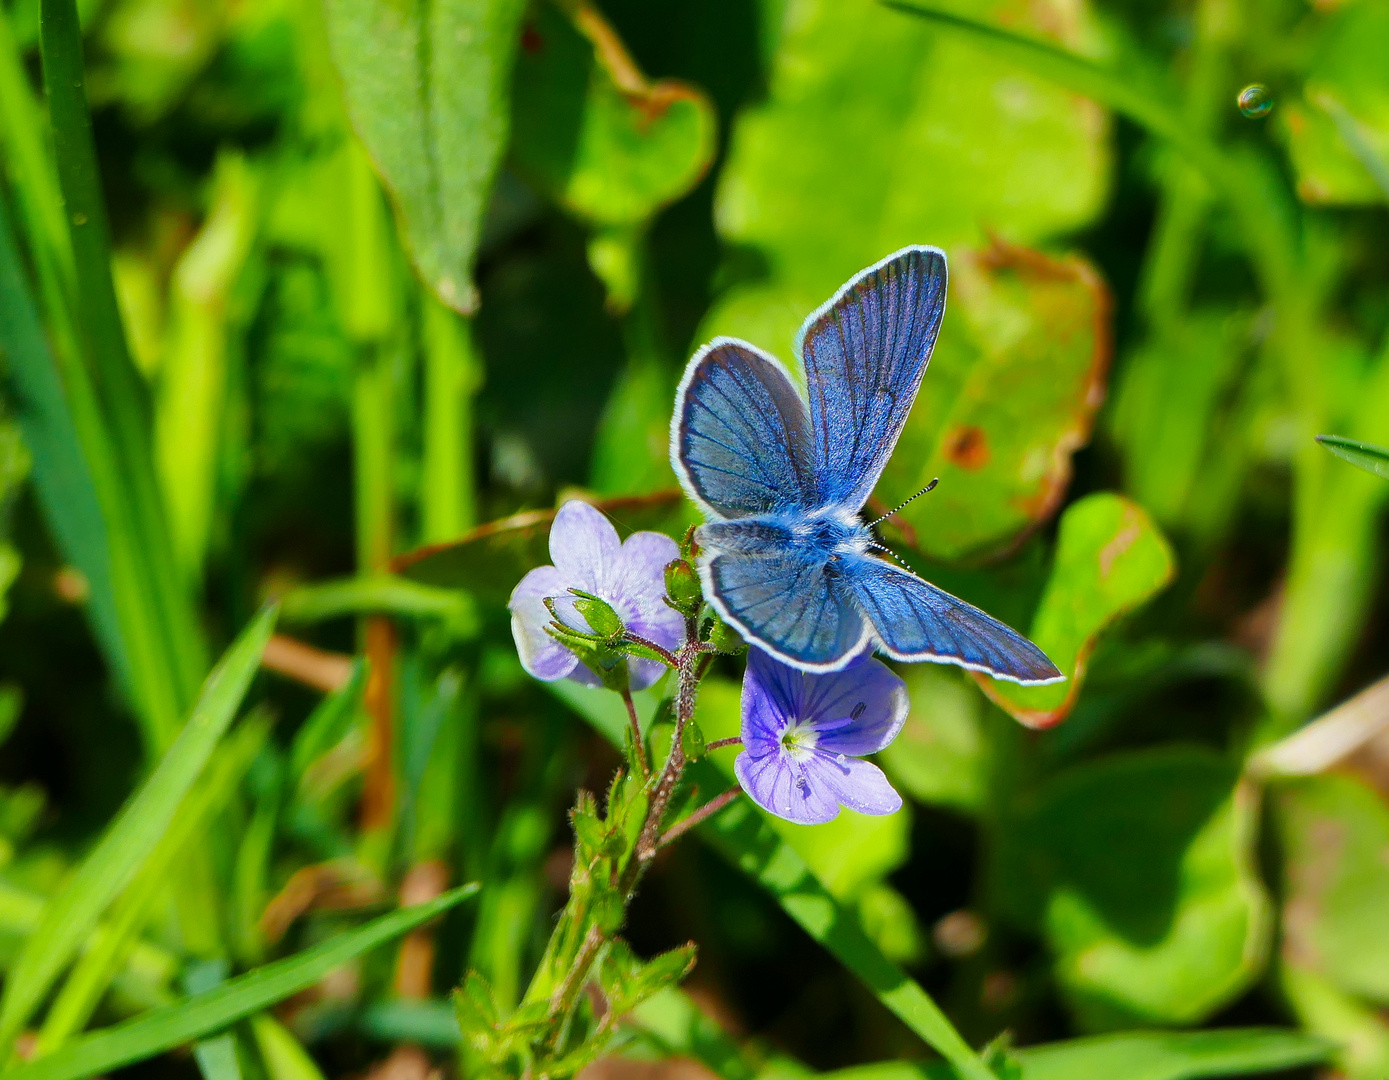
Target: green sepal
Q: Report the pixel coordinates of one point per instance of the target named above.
(724, 638)
(599, 615)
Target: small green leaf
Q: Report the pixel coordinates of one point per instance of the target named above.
(1164, 939)
(588, 128)
(1373, 459)
(1110, 559)
(1335, 836)
(163, 1029)
(426, 88)
(133, 835)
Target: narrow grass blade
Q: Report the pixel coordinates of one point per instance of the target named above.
(1354, 137)
(1374, 459)
(741, 836)
(121, 391)
(163, 1029)
(381, 594)
(134, 835)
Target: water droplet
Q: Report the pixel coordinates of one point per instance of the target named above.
(801, 785)
(1255, 101)
(842, 759)
(79, 219)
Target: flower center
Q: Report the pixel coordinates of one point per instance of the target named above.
(799, 739)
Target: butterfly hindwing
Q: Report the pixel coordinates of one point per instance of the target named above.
(914, 620)
(864, 352)
(740, 435)
(778, 594)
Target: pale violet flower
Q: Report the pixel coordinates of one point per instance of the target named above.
(588, 556)
(804, 736)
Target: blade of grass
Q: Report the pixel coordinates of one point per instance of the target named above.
(217, 1059)
(120, 389)
(99, 965)
(1354, 137)
(381, 594)
(164, 1029)
(452, 377)
(1373, 459)
(741, 836)
(132, 837)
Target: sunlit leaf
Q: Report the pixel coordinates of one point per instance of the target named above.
(878, 132)
(1110, 558)
(1165, 938)
(1335, 836)
(1010, 394)
(1374, 459)
(592, 131)
(426, 88)
(490, 560)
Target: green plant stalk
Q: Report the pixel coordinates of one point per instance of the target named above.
(452, 378)
(121, 392)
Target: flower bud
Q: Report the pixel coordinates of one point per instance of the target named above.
(599, 615)
(692, 740)
(682, 587)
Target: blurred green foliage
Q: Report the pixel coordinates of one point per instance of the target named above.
(332, 302)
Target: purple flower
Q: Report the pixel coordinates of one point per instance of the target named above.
(804, 736)
(629, 576)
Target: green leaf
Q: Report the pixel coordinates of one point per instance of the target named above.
(163, 1029)
(1373, 459)
(1138, 1055)
(1346, 94)
(940, 755)
(681, 1029)
(381, 595)
(1010, 394)
(593, 132)
(1166, 938)
(134, 834)
(426, 90)
(1356, 1028)
(857, 151)
(217, 1058)
(1335, 835)
(491, 559)
(742, 835)
(1110, 559)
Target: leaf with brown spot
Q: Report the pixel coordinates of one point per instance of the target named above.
(1110, 559)
(491, 559)
(1010, 395)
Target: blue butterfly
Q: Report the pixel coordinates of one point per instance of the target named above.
(785, 557)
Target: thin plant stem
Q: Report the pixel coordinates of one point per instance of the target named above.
(703, 814)
(719, 744)
(637, 740)
(667, 657)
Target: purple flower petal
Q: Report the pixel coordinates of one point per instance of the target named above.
(640, 589)
(860, 785)
(541, 655)
(776, 783)
(765, 713)
(584, 547)
(869, 695)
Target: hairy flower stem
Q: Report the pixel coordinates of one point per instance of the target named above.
(637, 741)
(719, 744)
(562, 1000)
(703, 814)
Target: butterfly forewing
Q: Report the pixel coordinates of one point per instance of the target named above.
(740, 435)
(864, 353)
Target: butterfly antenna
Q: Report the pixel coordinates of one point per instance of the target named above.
(892, 555)
(903, 506)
